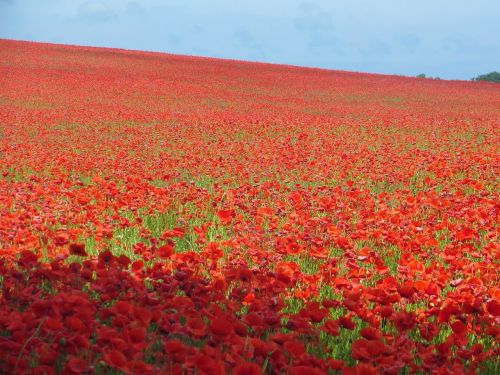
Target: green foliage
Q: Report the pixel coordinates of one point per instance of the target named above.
(422, 75)
(490, 77)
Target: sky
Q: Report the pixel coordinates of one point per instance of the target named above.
(450, 39)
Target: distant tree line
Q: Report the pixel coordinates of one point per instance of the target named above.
(422, 75)
(490, 77)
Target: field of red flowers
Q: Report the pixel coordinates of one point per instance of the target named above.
(162, 214)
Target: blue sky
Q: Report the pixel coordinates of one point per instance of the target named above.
(453, 39)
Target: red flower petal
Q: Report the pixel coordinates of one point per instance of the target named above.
(115, 358)
(77, 249)
(165, 251)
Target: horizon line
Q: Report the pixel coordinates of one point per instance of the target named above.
(228, 59)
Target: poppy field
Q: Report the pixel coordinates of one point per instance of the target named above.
(164, 214)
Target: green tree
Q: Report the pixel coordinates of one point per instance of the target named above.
(421, 75)
(490, 77)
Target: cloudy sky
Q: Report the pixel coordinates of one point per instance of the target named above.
(453, 39)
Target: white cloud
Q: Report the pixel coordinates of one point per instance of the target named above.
(95, 11)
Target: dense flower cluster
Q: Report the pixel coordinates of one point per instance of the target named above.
(163, 214)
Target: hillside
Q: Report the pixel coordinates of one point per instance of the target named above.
(174, 214)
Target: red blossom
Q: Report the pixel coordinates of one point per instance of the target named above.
(77, 249)
(248, 368)
(77, 365)
(237, 222)
(116, 359)
(165, 251)
(225, 216)
(221, 327)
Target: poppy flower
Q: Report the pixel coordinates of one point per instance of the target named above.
(137, 334)
(295, 348)
(77, 249)
(254, 320)
(165, 251)
(331, 327)
(52, 324)
(493, 307)
(137, 265)
(226, 216)
(305, 370)
(458, 327)
(75, 324)
(346, 322)
(176, 350)
(116, 359)
(122, 307)
(61, 239)
(248, 368)
(76, 365)
(28, 258)
(404, 320)
(365, 350)
(370, 333)
(106, 257)
(221, 327)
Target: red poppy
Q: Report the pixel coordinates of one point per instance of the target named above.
(493, 307)
(295, 348)
(122, 307)
(404, 320)
(137, 334)
(370, 333)
(331, 327)
(346, 322)
(226, 216)
(254, 320)
(106, 257)
(61, 239)
(77, 249)
(248, 368)
(53, 324)
(75, 324)
(176, 350)
(77, 365)
(458, 327)
(366, 350)
(306, 370)
(137, 265)
(221, 327)
(165, 251)
(28, 258)
(116, 359)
